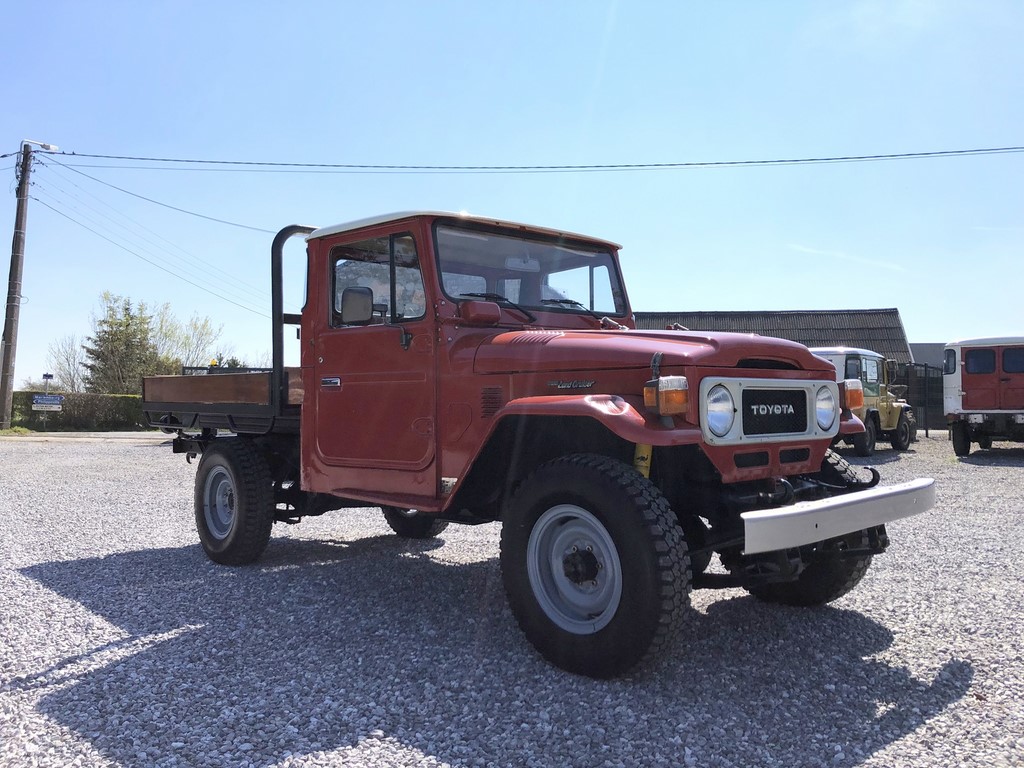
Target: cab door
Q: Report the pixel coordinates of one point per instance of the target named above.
(980, 378)
(375, 372)
(1011, 378)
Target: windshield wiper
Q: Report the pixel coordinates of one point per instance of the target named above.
(502, 300)
(571, 302)
(606, 322)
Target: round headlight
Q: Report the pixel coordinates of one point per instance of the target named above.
(721, 410)
(825, 408)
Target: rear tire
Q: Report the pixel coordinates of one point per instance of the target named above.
(408, 524)
(961, 438)
(594, 565)
(234, 501)
(864, 443)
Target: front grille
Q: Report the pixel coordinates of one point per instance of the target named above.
(747, 460)
(794, 455)
(774, 411)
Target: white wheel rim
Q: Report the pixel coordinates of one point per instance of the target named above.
(574, 569)
(219, 503)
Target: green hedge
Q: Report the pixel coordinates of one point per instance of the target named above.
(81, 412)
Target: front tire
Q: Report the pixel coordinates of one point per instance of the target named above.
(864, 443)
(829, 578)
(594, 565)
(409, 524)
(902, 434)
(821, 581)
(961, 438)
(234, 502)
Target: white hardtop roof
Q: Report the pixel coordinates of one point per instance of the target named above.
(390, 217)
(990, 341)
(844, 351)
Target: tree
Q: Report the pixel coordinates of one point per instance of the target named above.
(65, 358)
(189, 343)
(121, 349)
(225, 357)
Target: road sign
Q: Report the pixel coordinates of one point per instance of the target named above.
(47, 402)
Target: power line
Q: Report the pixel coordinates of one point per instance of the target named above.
(131, 236)
(232, 283)
(153, 263)
(165, 205)
(393, 168)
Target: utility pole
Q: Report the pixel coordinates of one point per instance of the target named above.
(10, 337)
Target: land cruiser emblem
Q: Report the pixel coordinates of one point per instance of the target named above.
(772, 410)
(572, 384)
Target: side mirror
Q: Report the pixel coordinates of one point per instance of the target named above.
(891, 369)
(356, 305)
(480, 313)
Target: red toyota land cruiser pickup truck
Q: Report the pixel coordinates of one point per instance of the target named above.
(460, 369)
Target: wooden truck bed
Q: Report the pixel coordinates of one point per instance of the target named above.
(240, 402)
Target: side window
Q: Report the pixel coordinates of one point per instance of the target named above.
(1013, 360)
(871, 377)
(852, 368)
(390, 268)
(410, 299)
(980, 361)
(949, 361)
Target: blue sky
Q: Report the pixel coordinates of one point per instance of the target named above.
(527, 83)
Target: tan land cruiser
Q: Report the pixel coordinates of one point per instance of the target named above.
(885, 414)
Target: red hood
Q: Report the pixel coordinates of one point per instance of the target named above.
(541, 350)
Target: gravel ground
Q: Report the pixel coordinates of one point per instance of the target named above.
(120, 644)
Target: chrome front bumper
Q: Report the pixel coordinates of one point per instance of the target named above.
(807, 522)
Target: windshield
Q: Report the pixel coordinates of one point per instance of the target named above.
(539, 274)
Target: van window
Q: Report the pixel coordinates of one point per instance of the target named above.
(980, 361)
(949, 361)
(1013, 360)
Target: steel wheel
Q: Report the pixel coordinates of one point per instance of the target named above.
(574, 569)
(234, 501)
(594, 565)
(219, 503)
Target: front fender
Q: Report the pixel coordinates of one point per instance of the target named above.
(623, 417)
(849, 424)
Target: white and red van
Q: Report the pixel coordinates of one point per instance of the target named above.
(983, 391)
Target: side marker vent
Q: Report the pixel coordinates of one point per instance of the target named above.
(491, 399)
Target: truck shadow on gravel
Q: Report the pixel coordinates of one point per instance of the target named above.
(996, 456)
(378, 651)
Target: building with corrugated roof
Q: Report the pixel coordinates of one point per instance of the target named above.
(880, 330)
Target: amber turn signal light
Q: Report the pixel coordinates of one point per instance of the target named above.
(667, 395)
(853, 394)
